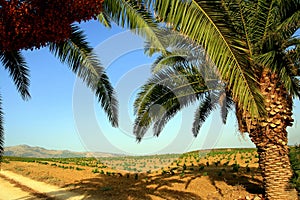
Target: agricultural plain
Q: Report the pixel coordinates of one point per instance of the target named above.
(212, 174)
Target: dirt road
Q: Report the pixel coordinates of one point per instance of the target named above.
(16, 187)
(9, 191)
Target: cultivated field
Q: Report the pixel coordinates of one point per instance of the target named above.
(218, 174)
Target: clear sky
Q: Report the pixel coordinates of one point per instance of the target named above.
(63, 114)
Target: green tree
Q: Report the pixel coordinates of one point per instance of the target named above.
(252, 45)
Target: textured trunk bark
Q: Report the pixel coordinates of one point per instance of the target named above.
(269, 134)
(276, 172)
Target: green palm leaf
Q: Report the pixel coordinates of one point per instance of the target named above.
(166, 94)
(14, 62)
(82, 61)
(208, 23)
(168, 60)
(226, 104)
(133, 15)
(182, 76)
(201, 114)
(104, 19)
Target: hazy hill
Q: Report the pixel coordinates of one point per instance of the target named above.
(40, 152)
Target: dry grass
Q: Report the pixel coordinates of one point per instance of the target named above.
(210, 176)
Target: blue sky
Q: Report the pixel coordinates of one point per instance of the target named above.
(63, 114)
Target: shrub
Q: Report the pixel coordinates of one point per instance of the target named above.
(248, 168)
(184, 167)
(220, 173)
(43, 163)
(181, 174)
(295, 164)
(226, 163)
(235, 167)
(106, 188)
(217, 163)
(5, 161)
(95, 170)
(172, 172)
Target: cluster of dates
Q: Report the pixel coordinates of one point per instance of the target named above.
(29, 24)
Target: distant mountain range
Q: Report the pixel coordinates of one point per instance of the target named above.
(40, 152)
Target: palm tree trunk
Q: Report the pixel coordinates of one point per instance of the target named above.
(269, 134)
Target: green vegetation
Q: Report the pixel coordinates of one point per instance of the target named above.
(295, 162)
(235, 167)
(95, 171)
(167, 163)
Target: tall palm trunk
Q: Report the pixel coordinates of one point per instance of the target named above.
(270, 137)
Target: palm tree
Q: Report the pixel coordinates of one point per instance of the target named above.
(252, 45)
(75, 52)
(182, 76)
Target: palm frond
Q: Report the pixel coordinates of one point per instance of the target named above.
(84, 63)
(294, 56)
(290, 25)
(288, 14)
(291, 44)
(226, 104)
(183, 52)
(164, 95)
(14, 62)
(292, 70)
(243, 22)
(106, 97)
(213, 100)
(263, 15)
(208, 23)
(295, 91)
(158, 113)
(133, 15)
(104, 19)
(202, 113)
(168, 60)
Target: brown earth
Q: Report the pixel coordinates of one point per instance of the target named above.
(216, 181)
